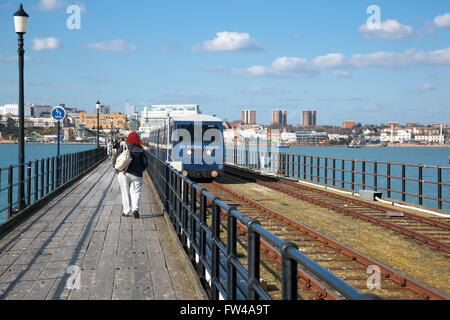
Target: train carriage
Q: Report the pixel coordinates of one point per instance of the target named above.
(193, 145)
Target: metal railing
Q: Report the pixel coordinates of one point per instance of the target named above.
(196, 216)
(414, 183)
(42, 177)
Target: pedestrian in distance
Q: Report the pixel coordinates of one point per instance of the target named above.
(130, 179)
(109, 148)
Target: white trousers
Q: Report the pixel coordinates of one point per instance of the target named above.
(131, 188)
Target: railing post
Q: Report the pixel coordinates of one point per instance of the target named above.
(420, 184)
(253, 260)
(192, 221)
(318, 169)
(304, 167)
(334, 172)
(36, 180)
(326, 171)
(202, 247)
(10, 191)
(53, 174)
(389, 180)
(231, 254)
(343, 174)
(439, 187)
(47, 176)
(185, 213)
(363, 175)
(403, 182)
(29, 174)
(353, 174)
(42, 178)
(375, 175)
(289, 273)
(215, 256)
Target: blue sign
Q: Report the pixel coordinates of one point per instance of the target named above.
(59, 113)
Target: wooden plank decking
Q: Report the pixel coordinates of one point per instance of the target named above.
(118, 258)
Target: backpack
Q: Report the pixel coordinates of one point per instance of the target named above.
(123, 160)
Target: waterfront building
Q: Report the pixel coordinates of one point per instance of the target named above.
(249, 117)
(41, 110)
(90, 120)
(309, 118)
(12, 109)
(104, 110)
(289, 137)
(348, 124)
(399, 136)
(279, 118)
(158, 114)
(130, 108)
(311, 137)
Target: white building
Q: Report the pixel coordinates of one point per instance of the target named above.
(130, 109)
(431, 139)
(9, 109)
(41, 122)
(156, 115)
(392, 136)
(337, 137)
(288, 136)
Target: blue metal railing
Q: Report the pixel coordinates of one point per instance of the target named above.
(42, 177)
(216, 259)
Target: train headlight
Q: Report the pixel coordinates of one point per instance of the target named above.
(214, 174)
(209, 152)
(189, 152)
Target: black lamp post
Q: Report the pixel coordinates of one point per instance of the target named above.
(98, 123)
(20, 24)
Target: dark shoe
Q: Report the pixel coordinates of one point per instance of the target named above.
(125, 215)
(136, 214)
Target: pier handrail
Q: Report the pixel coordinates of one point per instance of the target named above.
(42, 178)
(216, 262)
(403, 181)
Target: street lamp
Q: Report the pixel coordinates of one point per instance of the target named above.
(20, 24)
(98, 123)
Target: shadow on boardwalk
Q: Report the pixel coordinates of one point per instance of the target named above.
(79, 247)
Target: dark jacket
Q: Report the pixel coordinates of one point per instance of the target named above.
(139, 163)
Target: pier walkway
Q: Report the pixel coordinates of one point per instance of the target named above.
(79, 246)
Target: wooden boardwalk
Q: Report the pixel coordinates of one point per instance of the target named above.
(79, 247)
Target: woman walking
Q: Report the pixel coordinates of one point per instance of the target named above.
(130, 180)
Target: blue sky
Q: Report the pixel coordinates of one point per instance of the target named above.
(227, 56)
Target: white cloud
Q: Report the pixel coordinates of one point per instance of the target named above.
(268, 90)
(229, 41)
(46, 44)
(424, 87)
(341, 74)
(389, 29)
(49, 5)
(442, 20)
(118, 45)
(294, 67)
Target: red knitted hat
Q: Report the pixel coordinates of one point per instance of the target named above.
(133, 138)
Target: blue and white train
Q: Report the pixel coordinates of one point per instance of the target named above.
(193, 145)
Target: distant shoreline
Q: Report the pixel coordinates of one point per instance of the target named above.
(48, 143)
(341, 145)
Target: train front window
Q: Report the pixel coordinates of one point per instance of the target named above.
(197, 133)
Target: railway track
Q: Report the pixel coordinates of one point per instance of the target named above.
(346, 263)
(429, 231)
